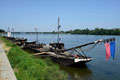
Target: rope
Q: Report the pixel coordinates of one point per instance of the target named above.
(88, 49)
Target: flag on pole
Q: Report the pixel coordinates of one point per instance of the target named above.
(107, 47)
(112, 49)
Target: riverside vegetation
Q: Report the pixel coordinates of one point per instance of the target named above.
(96, 31)
(27, 67)
(2, 31)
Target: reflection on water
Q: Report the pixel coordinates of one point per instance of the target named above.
(77, 73)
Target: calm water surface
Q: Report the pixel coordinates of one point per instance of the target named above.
(98, 69)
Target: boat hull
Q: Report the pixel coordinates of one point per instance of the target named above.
(71, 62)
(68, 61)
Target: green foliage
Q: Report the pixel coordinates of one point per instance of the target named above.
(8, 42)
(27, 67)
(1, 30)
(96, 31)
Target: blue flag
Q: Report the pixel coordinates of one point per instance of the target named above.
(112, 48)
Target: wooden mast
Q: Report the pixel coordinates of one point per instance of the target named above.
(58, 30)
(36, 34)
(13, 31)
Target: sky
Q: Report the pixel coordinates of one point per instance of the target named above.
(26, 15)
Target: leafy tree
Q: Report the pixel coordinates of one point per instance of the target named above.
(96, 31)
(1, 30)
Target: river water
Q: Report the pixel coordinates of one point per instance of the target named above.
(98, 68)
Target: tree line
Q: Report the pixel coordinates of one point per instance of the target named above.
(1, 30)
(96, 31)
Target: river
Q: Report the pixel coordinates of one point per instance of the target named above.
(98, 68)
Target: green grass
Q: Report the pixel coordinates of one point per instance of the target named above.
(27, 67)
(7, 42)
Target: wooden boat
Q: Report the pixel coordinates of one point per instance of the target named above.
(40, 47)
(34, 47)
(60, 55)
(28, 44)
(65, 59)
(19, 41)
(10, 38)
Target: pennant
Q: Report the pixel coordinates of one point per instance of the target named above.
(107, 47)
(112, 49)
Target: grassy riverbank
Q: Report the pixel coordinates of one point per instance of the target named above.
(26, 67)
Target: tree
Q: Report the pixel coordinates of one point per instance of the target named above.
(1, 30)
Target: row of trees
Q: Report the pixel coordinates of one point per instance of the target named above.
(1, 30)
(96, 31)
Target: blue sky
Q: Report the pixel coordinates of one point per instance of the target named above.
(25, 15)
